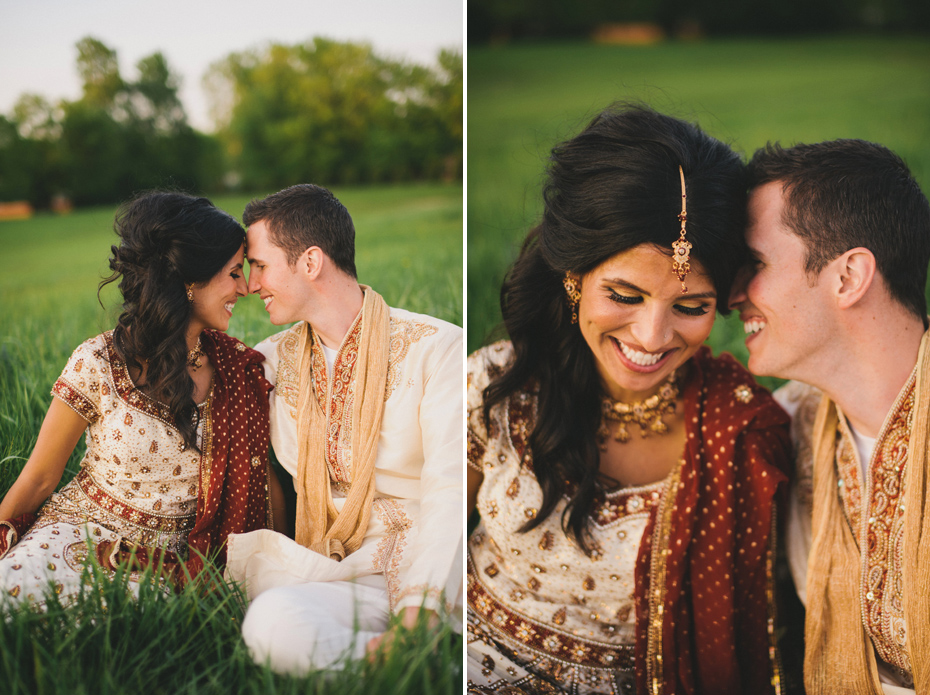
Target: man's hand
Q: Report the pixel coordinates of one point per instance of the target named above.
(408, 621)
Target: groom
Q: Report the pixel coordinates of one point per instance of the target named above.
(840, 232)
(366, 415)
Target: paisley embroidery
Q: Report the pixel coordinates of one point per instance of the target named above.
(403, 335)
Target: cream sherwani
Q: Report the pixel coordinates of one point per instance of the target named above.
(412, 550)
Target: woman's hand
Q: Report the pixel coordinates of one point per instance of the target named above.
(60, 432)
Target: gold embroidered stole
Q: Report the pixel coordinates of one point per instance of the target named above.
(917, 529)
(319, 526)
(839, 654)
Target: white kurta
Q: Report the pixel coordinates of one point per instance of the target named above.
(414, 537)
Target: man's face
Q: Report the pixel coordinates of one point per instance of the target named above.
(785, 311)
(277, 283)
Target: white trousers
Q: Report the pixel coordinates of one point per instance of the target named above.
(318, 625)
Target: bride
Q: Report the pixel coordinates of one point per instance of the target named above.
(174, 410)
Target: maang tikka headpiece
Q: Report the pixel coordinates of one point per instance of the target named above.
(681, 249)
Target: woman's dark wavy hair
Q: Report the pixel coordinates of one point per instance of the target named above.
(612, 187)
(167, 241)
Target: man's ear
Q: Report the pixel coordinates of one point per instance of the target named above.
(312, 261)
(854, 274)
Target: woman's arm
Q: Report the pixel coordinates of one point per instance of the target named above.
(60, 432)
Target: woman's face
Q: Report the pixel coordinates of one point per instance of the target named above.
(637, 322)
(214, 301)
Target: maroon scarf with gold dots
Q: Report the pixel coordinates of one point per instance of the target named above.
(704, 585)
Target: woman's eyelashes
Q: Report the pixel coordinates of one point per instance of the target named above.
(626, 299)
(692, 310)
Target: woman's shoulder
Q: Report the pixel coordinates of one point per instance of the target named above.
(731, 392)
(230, 353)
(488, 363)
(98, 349)
(495, 357)
(226, 342)
(83, 381)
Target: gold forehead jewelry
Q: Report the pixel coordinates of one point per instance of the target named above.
(194, 355)
(681, 249)
(647, 414)
(573, 293)
(190, 293)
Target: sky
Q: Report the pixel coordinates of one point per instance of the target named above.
(38, 37)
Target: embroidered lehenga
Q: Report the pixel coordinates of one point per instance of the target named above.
(140, 490)
(677, 593)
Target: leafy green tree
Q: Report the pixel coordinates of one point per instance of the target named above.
(93, 150)
(99, 69)
(121, 136)
(29, 156)
(335, 112)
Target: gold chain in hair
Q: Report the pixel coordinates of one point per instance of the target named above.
(681, 249)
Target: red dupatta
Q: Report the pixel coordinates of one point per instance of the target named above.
(708, 627)
(237, 497)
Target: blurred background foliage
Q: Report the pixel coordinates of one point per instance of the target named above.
(322, 111)
(500, 20)
(337, 112)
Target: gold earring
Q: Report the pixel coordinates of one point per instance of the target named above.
(190, 293)
(573, 293)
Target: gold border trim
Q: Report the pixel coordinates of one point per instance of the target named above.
(774, 654)
(657, 589)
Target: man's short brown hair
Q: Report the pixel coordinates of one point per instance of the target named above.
(845, 194)
(307, 215)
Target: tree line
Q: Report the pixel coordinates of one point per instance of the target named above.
(501, 20)
(322, 111)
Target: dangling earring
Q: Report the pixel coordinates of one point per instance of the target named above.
(190, 293)
(573, 293)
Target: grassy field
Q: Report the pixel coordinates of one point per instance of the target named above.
(523, 99)
(409, 248)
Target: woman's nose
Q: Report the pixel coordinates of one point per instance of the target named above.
(652, 331)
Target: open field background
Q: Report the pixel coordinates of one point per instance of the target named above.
(409, 241)
(522, 99)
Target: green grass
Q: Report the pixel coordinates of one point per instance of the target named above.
(105, 641)
(522, 99)
(409, 248)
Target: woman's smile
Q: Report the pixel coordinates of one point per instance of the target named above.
(638, 324)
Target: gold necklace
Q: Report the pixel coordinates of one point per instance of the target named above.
(194, 355)
(647, 414)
